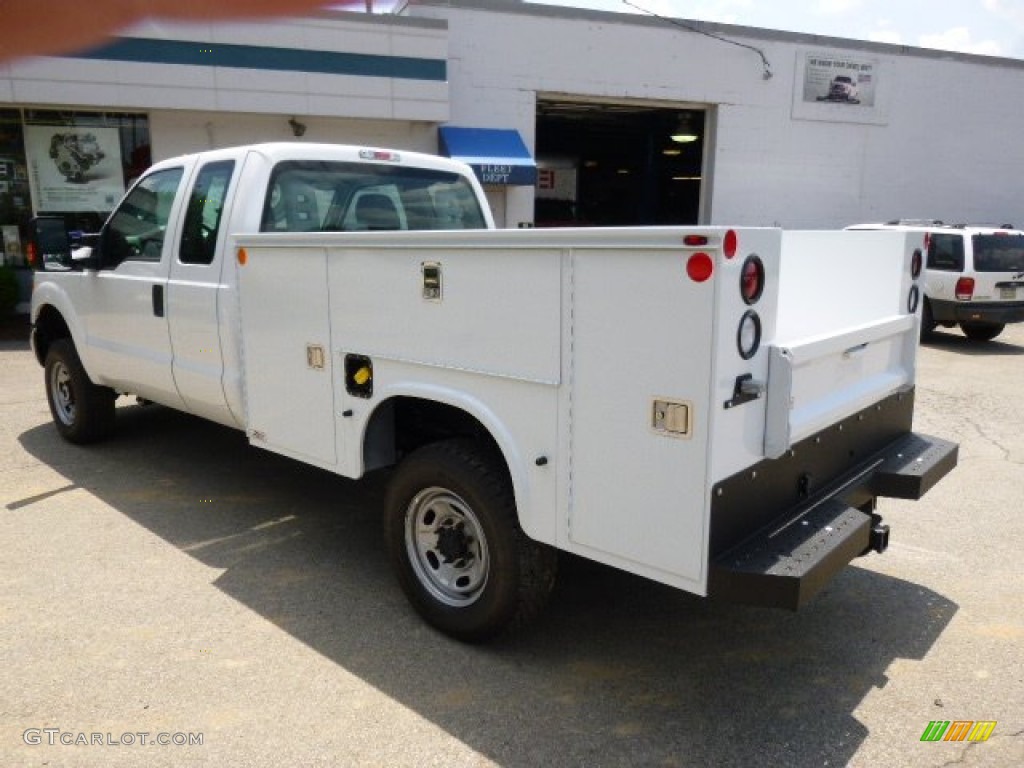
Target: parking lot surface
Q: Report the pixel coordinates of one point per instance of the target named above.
(176, 585)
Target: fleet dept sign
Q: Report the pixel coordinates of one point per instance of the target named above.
(506, 174)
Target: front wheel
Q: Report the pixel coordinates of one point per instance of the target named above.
(982, 331)
(82, 411)
(456, 545)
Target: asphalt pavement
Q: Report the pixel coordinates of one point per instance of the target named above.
(175, 597)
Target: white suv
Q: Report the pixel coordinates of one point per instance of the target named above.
(974, 276)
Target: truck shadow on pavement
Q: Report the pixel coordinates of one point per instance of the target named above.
(620, 670)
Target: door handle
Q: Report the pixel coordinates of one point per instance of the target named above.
(158, 300)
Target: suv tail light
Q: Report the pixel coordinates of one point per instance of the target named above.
(965, 289)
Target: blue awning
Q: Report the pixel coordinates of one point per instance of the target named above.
(496, 155)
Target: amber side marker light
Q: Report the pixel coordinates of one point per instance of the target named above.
(243, 257)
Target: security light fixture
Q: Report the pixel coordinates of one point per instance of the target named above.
(684, 131)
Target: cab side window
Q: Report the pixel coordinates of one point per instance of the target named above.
(946, 252)
(136, 229)
(203, 213)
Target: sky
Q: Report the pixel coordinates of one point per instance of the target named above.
(987, 27)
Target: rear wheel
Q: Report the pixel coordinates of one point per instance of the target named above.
(82, 411)
(982, 331)
(456, 545)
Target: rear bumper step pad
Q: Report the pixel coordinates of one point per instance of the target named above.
(786, 567)
(912, 465)
(786, 564)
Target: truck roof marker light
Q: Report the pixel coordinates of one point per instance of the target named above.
(695, 240)
(378, 154)
(752, 279)
(730, 243)
(243, 257)
(916, 262)
(700, 267)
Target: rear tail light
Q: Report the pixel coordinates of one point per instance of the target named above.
(965, 289)
(748, 336)
(695, 240)
(916, 262)
(33, 256)
(752, 279)
(913, 299)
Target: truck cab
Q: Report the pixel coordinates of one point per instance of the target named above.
(151, 303)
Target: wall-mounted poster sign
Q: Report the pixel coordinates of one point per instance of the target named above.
(74, 168)
(838, 87)
(840, 80)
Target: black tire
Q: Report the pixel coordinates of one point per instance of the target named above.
(456, 546)
(982, 331)
(82, 411)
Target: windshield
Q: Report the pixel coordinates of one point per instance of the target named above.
(999, 253)
(310, 196)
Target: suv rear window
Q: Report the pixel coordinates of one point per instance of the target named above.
(998, 253)
(946, 252)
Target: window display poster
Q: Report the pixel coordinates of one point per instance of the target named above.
(840, 79)
(74, 168)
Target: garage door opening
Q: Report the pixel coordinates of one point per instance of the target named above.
(618, 165)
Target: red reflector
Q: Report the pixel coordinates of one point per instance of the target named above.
(33, 255)
(729, 244)
(695, 240)
(927, 240)
(699, 267)
(965, 288)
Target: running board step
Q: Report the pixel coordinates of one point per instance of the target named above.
(785, 567)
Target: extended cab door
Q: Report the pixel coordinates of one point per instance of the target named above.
(125, 312)
(194, 292)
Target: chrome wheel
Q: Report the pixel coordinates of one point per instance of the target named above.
(446, 547)
(62, 393)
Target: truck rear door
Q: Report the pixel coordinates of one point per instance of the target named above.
(194, 290)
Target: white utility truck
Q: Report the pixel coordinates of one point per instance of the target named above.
(713, 408)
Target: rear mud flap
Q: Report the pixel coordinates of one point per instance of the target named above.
(788, 562)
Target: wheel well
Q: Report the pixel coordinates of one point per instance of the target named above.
(400, 425)
(48, 328)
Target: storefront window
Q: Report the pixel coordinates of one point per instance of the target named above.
(15, 198)
(65, 163)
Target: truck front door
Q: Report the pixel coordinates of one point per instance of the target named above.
(126, 318)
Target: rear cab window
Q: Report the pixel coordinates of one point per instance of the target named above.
(316, 196)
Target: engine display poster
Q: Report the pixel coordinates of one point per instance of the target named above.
(840, 79)
(74, 168)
